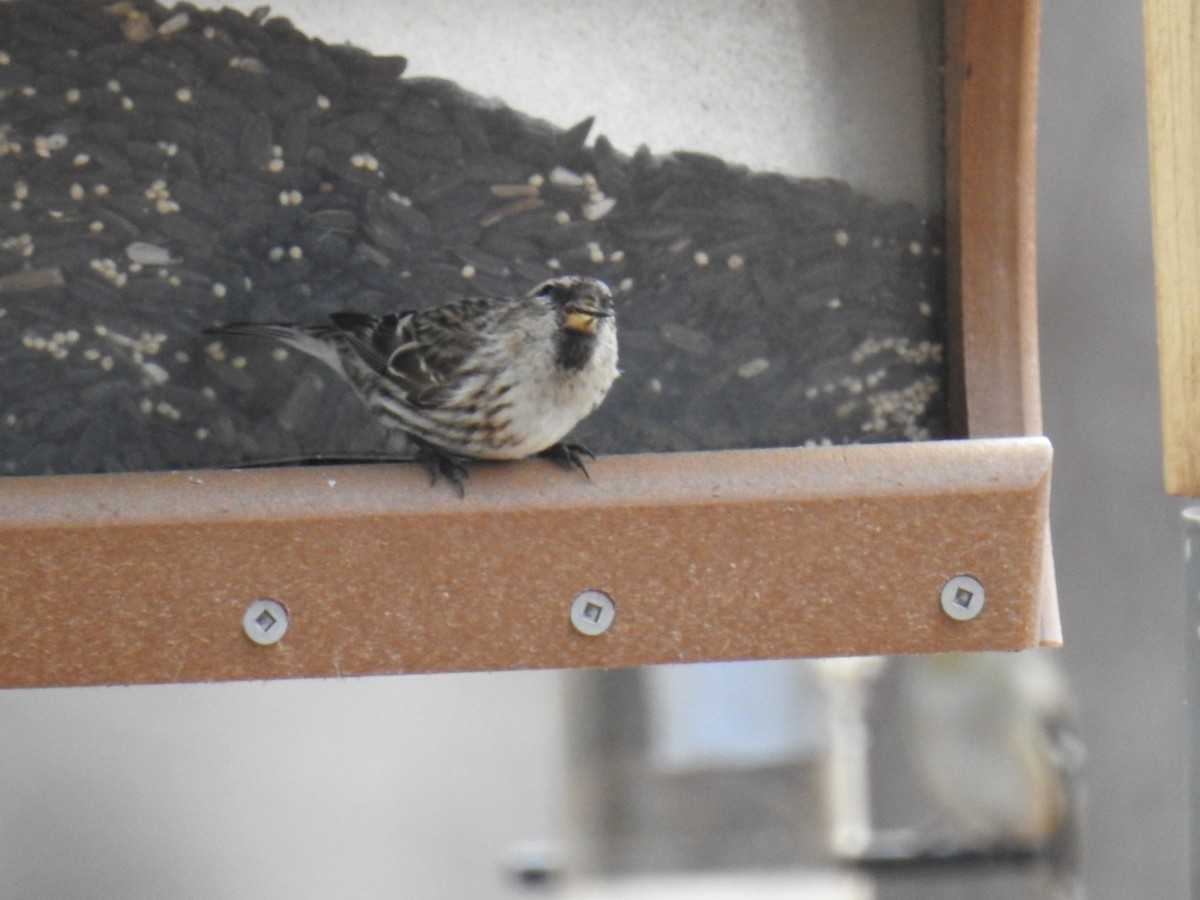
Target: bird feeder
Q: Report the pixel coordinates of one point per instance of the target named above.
(892, 548)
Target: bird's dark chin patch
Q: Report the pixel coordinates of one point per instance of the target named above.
(575, 348)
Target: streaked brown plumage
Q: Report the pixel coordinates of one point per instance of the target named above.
(480, 378)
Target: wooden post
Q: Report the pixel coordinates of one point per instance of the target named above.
(1173, 92)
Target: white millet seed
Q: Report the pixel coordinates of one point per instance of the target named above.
(754, 367)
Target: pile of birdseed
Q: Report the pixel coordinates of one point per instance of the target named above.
(163, 170)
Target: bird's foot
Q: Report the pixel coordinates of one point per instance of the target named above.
(569, 455)
(438, 462)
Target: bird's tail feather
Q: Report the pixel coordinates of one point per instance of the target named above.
(313, 340)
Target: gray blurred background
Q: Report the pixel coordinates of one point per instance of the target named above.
(1117, 537)
(425, 786)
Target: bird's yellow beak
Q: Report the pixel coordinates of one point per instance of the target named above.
(584, 317)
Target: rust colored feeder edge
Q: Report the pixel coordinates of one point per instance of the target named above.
(366, 570)
(991, 166)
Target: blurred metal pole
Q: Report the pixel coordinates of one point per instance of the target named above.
(1191, 554)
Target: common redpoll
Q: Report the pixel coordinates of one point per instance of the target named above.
(480, 378)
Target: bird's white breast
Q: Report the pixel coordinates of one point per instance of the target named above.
(547, 401)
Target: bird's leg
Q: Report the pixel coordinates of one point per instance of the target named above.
(569, 455)
(438, 462)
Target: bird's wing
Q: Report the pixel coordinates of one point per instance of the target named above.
(373, 338)
(422, 351)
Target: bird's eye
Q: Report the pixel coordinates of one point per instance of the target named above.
(554, 293)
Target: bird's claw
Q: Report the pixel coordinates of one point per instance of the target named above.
(569, 455)
(439, 462)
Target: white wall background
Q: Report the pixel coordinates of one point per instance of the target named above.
(843, 88)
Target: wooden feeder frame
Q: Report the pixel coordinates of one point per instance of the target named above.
(139, 578)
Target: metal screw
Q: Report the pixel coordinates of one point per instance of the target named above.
(265, 621)
(962, 597)
(592, 612)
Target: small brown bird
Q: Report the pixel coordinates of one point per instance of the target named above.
(481, 378)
